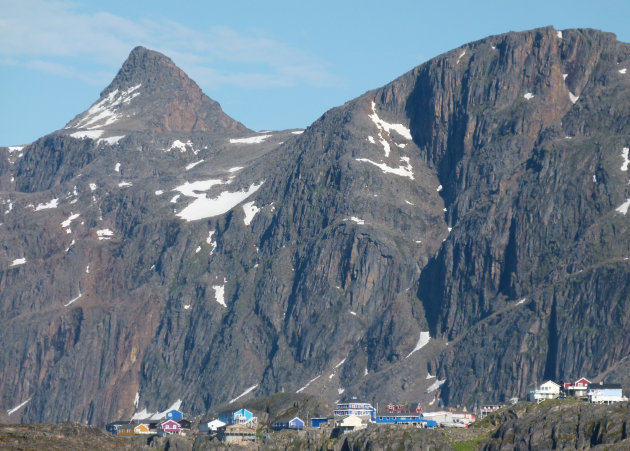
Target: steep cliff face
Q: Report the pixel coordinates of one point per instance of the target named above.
(459, 233)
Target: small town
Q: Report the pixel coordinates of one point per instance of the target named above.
(242, 425)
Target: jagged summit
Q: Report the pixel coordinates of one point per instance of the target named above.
(150, 93)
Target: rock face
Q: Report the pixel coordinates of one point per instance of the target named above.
(460, 233)
(561, 426)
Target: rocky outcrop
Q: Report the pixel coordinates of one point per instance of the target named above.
(576, 425)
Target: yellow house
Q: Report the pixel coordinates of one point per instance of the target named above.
(142, 429)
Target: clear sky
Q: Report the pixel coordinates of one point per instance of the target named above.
(270, 64)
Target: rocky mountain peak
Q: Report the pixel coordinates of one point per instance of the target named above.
(150, 93)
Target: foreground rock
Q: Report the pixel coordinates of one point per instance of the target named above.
(561, 425)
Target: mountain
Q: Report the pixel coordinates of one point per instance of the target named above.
(452, 237)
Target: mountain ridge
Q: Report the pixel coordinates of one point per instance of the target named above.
(422, 207)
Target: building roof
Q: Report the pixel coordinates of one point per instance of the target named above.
(604, 386)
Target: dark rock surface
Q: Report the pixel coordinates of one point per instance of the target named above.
(475, 197)
(561, 425)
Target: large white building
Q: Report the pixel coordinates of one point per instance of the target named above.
(605, 393)
(547, 390)
(361, 409)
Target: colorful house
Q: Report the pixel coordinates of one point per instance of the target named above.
(143, 429)
(115, 426)
(295, 423)
(170, 427)
(174, 415)
(605, 393)
(242, 416)
(578, 388)
(317, 422)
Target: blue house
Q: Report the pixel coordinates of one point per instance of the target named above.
(317, 422)
(417, 420)
(294, 423)
(174, 415)
(242, 416)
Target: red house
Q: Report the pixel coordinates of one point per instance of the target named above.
(578, 388)
(170, 427)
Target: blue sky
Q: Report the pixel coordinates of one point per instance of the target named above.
(271, 65)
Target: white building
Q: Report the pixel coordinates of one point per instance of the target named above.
(547, 390)
(605, 393)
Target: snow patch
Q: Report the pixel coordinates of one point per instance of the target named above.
(460, 56)
(198, 249)
(159, 192)
(124, 184)
(365, 373)
(235, 169)
(87, 269)
(111, 140)
(371, 139)
(203, 207)
(71, 218)
(250, 389)
(18, 407)
(73, 299)
(52, 204)
(18, 262)
(93, 187)
(429, 376)
(626, 161)
(340, 363)
(175, 198)
(573, 97)
(407, 202)
(210, 242)
(439, 188)
(187, 307)
(104, 234)
(422, 341)
(104, 112)
(402, 170)
(528, 96)
(71, 244)
(387, 127)
(341, 390)
(297, 132)
(356, 220)
(559, 34)
(90, 134)
(622, 71)
(307, 384)
(191, 189)
(564, 76)
(136, 400)
(179, 145)
(219, 294)
(251, 140)
(192, 165)
(435, 385)
(623, 208)
(117, 167)
(522, 301)
(15, 148)
(250, 211)
(353, 313)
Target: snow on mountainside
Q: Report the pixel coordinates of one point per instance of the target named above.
(156, 249)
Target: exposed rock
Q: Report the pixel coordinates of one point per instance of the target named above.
(473, 197)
